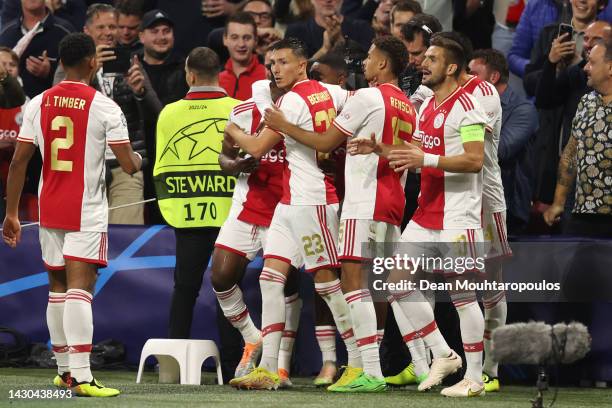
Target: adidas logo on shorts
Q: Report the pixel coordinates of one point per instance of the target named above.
(321, 259)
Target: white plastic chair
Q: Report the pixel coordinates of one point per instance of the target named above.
(180, 360)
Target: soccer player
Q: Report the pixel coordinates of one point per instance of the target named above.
(71, 124)
(305, 222)
(451, 130)
(258, 189)
(493, 209)
(374, 200)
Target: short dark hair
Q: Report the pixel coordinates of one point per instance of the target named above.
(406, 5)
(453, 51)
(424, 24)
(241, 17)
(463, 41)
(334, 60)
(204, 62)
(95, 9)
(296, 46)
(75, 48)
(494, 60)
(395, 50)
(129, 7)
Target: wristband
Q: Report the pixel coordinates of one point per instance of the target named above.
(139, 155)
(430, 160)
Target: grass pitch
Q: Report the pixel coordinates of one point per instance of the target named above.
(304, 394)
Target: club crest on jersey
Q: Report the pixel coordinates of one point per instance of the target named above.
(439, 120)
(346, 115)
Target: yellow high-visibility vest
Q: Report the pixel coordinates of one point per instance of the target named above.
(192, 191)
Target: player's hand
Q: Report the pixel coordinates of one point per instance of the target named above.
(104, 54)
(401, 160)
(135, 77)
(11, 231)
(357, 146)
(246, 164)
(275, 119)
(552, 215)
(218, 8)
(39, 66)
(561, 49)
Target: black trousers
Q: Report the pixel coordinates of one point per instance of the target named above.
(194, 247)
(589, 225)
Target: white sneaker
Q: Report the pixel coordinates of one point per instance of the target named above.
(464, 388)
(440, 369)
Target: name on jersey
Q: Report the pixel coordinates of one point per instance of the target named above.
(319, 97)
(67, 102)
(401, 105)
(195, 184)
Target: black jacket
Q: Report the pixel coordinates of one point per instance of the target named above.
(54, 29)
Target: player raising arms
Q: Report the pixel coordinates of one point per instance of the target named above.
(374, 197)
(305, 222)
(71, 124)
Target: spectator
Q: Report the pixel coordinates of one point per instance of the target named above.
(381, 22)
(123, 188)
(38, 51)
(129, 17)
(584, 13)
(328, 27)
(290, 11)
(72, 11)
(442, 10)
(585, 162)
(262, 12)
(519, 123)
(474, 19)
(157, 79)
(401, 13)
(507, 14)
(243, 67)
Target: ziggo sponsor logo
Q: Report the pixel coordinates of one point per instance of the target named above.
(274, 156)
(430, 142)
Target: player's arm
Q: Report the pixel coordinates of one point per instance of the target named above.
(367, 146)
(566, 178)
(256, 146)
(11, 230)
(322, 142)
(229, 160)
(128, 159)
(470, 161)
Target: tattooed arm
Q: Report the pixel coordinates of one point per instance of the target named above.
(566, 177)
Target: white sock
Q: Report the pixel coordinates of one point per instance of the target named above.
(55, 323)
(363, 316)
(331, 293)
(417, 310)
(380, 333)
(415, 345)
(272, 284)
(78, 327)
(234, 309)
(293, 307)
(495, 313)
(326, 337)
(471, 324)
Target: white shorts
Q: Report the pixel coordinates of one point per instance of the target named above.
(452, 251)
(357, 238)
(58, 245)
(304, 235)
(241, 237)
(494, 227)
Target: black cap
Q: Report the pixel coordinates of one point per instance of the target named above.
(153, 17)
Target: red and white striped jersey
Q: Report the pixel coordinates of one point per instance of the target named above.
(258, 192)
(492, 190)
(312, 106)
(373, 191)
(71, 124)
(448, 200)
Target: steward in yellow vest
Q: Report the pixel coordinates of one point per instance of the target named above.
(194, 196)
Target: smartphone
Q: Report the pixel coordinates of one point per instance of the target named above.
(120, 65)
(566, 29)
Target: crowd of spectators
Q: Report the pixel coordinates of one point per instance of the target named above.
(533, 51)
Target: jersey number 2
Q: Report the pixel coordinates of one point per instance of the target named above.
(61, 143)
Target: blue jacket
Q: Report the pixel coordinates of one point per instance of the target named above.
(54, 29)
(519, 124)
(537, 15)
